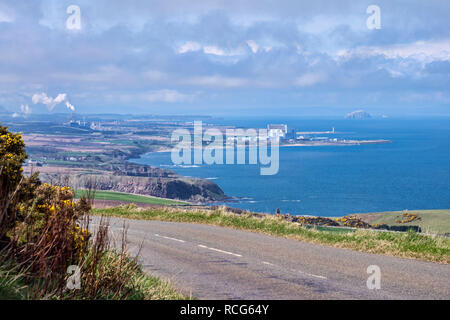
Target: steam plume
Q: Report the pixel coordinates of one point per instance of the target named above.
(50, 102)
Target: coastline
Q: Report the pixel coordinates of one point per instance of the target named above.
(304, 144)
(339, 143)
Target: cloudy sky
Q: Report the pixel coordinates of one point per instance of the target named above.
(229, 57)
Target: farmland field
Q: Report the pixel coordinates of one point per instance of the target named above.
(128, 197)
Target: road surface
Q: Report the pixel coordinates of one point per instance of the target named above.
(219, 263)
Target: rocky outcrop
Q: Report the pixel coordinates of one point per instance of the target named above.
(173, 187)
(359, 114)
(137, 170)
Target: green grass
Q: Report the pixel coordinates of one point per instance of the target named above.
(431, 221)
(12, 286)
(128, 197)
(58, 162)
(406, 245)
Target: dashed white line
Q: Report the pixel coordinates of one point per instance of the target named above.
(310, 274)
(169, 238)
(237, 255)
(316, 276)
(221, 251)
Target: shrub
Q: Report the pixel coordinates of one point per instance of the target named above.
(12, 155)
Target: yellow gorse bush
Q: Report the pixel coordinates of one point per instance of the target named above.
(12, 155)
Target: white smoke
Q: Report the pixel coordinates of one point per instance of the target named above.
(26, 110)
(70, 106)
(50, 102)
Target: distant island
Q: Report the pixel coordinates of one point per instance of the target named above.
(358, 114)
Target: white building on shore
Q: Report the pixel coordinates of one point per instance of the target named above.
(277, 130)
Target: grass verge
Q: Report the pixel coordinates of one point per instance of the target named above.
(128, 197)
(405, 245)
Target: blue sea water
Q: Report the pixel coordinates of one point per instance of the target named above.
(412, 172)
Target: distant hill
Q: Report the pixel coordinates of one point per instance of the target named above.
(359, 114)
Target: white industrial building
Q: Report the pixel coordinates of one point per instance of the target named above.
(277, 130)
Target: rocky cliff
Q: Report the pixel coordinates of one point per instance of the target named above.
(180, 188)
(172, 186)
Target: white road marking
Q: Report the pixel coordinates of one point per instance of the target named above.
(310, 274)
(316, 276)
(169, 238)
(221, 251)
(268, 263)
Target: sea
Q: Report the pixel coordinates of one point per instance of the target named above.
(412, 172)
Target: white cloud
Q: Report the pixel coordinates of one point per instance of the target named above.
(310, 79)
(320, 24)
(253, 46)
(6, 17)
(216, 81)
(213, 50)
(423, 51)
(189, 46)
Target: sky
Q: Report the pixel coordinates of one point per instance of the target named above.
(227, 58)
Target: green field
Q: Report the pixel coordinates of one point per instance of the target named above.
(128, 197)
(431, 221)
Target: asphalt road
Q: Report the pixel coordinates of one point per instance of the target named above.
(220, 263)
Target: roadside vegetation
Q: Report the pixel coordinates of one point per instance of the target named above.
(400, 244)
(44, 234)
(128, 197)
